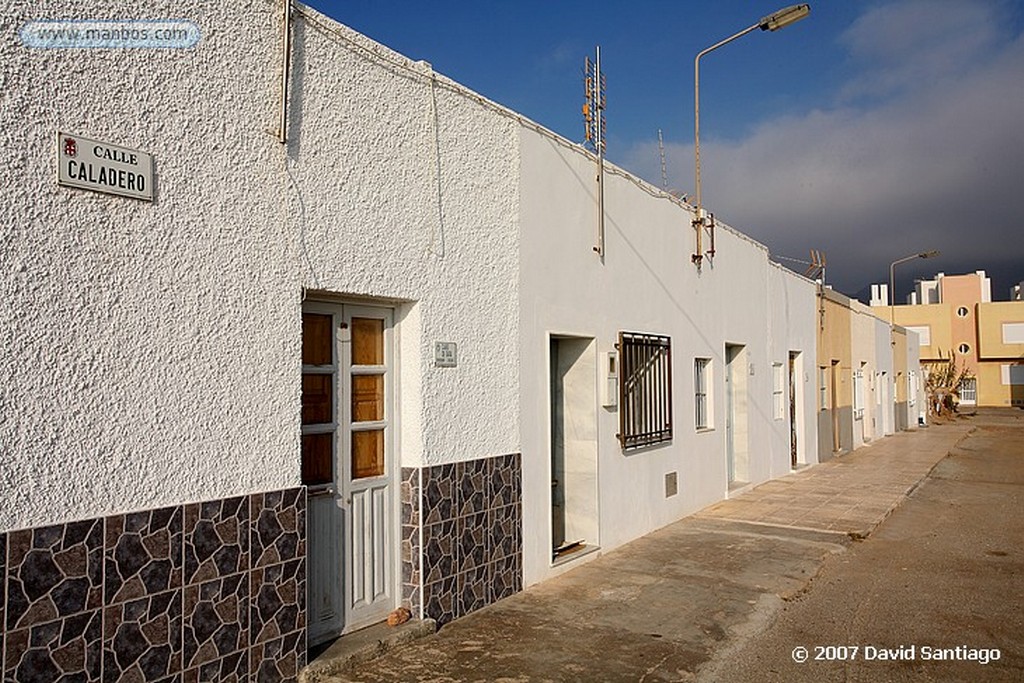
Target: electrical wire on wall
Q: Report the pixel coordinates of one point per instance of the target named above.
(302, 223)
(436, 246)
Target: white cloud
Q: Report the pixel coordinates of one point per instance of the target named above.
(938, 163)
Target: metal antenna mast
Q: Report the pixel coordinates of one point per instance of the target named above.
(664, 171)
(594, 125)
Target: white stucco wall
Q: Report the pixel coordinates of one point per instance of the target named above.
(151, 350)
(645, 284)
(791, 301)
(147, 347)
(403, 188)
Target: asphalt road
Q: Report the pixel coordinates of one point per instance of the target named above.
(944, 571)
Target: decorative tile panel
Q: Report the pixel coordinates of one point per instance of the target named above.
(474, 540)
(471, 480)
(3, 595)
(159, 596)
(53, 572)
(278, 526)
(505, 526)
(143, 554)
(410, 541)
(231, 669)
(142, 638)
(440, 548)
(474, 590)
(504, 479)
(471, 551)
(67, 649)
(278, 601)
(216, 619)
(439, 494)
(216, 539)
(278, 661)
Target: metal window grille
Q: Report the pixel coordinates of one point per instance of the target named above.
(969, 390)
(645, 389)
(700, 390)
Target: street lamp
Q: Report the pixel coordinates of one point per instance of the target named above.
(892, 278)
(773, 22)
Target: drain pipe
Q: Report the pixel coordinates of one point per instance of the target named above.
(282, 130)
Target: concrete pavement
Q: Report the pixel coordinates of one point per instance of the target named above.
(663, 606)
(851, 494)
(934, 594)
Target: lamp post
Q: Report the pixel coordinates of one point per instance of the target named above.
(773, 22)
(892, 286)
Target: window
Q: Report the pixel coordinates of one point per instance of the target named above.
(924, 334)
(645, 389)
(969, 391)
(778, 392)
(822, 388)
(912, 388)
(319, 377)
(964, 348)
(701, 381)
(1012, 375)
(962, 312)
(1013, 333)
(858, 393)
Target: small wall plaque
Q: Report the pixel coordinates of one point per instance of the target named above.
(446, 354)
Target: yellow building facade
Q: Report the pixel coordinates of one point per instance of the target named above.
(955, 314)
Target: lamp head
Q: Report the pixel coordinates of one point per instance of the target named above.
(929, 254)
(784, 17)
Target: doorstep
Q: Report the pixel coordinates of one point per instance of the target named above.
(363, 645)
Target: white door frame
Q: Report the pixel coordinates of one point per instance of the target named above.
(331, 515)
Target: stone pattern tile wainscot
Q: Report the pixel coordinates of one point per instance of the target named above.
(142, 595)
(54, 589)
(471, 517)
(211, 591)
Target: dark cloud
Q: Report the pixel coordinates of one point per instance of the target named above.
(922, 148)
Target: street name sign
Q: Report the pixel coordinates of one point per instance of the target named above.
(103, 167)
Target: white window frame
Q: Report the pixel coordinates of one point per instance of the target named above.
(822, 388)
(1012, 374)
(924, 334)
(858, 393)
(778, 391)
(969, 391)
(1013, 333)
(702, 383)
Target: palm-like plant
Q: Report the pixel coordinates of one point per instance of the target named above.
(943, 382)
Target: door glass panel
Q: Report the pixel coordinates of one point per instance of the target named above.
(367, 341)
(368, 454)
(317, 458)
(367, 397)
(316, 399)
(317, 339)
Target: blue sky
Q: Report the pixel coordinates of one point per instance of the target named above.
(870, 130)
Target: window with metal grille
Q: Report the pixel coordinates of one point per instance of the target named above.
(645, 389)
